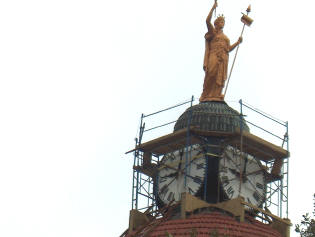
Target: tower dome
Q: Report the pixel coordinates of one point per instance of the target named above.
(214, 116)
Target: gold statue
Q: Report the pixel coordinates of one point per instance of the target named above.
(216, 58)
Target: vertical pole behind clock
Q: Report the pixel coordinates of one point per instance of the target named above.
(188, 144)
(241, 145)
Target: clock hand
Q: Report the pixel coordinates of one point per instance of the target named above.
(169, 175)
(181, 158)
(196, 179)
(190, 176)
(234, 171)
(244, 170)
(165, 187)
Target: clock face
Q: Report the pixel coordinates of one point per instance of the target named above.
(251, 185)
(174, 177)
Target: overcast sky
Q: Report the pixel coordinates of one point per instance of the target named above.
(75, 77)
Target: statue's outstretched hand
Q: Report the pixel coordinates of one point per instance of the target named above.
(215, 5)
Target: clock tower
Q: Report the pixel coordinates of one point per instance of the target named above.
(211, 175)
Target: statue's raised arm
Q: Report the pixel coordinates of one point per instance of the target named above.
(209, 17)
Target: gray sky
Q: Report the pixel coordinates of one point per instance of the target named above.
(75, 77)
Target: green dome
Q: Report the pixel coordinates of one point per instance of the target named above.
(211, 116)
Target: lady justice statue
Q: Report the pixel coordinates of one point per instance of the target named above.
(216, 58)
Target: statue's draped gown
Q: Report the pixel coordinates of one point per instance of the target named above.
(216, 65)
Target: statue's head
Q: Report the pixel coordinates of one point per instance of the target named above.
(219, 22)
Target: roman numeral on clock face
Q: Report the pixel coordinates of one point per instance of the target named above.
(191, 191)
(200, 166)
(256, 196)
(259, 185)
(197, 179)
(225, 181)
(170, 196)
(230, 192)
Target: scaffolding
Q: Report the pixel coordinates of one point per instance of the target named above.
(147, 156)
(277, 189)
(143, 196)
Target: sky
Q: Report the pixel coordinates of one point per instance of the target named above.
(75, 77)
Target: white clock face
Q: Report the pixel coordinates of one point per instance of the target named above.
(175, 177)
(251, 185)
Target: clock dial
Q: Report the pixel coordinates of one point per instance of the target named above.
(174, 177)
(246, 178)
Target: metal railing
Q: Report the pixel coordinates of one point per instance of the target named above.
(277, 191)
(143, 196)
